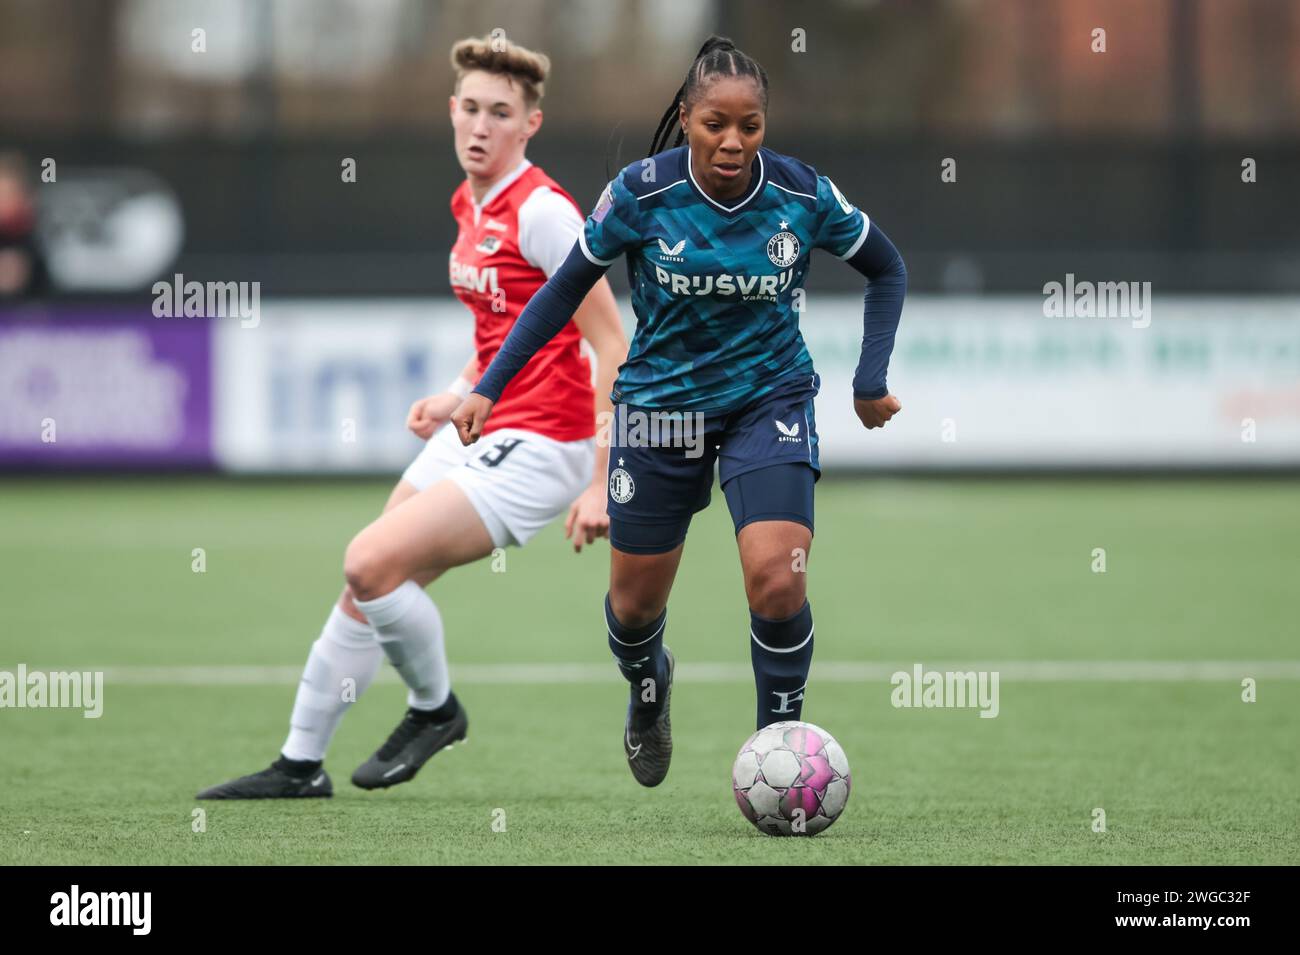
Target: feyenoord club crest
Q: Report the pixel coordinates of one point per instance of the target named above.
(621, 485)
(783, 248)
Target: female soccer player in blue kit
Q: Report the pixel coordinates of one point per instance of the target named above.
(717, 235)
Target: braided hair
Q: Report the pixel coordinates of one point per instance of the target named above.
(718, 57)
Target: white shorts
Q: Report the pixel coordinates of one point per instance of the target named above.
(518, 481)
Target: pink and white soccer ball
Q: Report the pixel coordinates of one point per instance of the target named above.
(791, 779)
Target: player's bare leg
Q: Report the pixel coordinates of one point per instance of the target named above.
(636, 613)
(774, 558)
(402, 491)
(639, 584)
(347, 650)
(386, 567)
(342, 663)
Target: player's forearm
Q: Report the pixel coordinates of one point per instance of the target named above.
(608, 360)
(882, 307)
(599, 322)
(548, 311)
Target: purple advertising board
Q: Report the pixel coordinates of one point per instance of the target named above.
(111, 386)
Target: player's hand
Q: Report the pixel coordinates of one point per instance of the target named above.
(470, 417)
(429, 414)
(587, 517)
(874, 412)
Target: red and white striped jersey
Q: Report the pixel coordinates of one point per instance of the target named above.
(505, 250)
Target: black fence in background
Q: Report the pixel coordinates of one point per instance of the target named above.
(1019, 215)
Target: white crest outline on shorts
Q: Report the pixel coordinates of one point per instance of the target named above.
(621, 486)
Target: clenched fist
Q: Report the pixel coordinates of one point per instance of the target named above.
(471, 416)
(874, 412)
(429, 414)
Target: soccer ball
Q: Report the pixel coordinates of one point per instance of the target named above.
(791, 779)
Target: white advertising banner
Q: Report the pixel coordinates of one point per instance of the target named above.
(993, 382)
(325, 386)
(984, 382)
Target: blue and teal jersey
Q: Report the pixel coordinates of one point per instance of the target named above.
(713, 284)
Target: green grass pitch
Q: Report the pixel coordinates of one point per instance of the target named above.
(98, 574)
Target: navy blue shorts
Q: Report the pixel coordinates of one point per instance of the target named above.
(661, 466)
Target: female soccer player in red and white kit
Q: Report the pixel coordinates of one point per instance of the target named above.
(455, 505)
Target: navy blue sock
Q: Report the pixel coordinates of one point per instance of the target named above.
(639, 653)
(781, 651)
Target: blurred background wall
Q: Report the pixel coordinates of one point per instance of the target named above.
(1084, 161)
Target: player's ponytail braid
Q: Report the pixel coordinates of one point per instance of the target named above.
(718, 57)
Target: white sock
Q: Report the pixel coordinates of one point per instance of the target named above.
(345, 651)
(409, 629)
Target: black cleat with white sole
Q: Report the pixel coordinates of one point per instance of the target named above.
(649, 747)
(273, 783)
(409, 747)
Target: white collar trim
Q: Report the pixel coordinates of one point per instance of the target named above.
(762, 178)
(501, 186)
